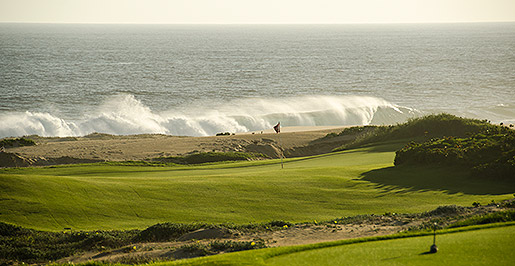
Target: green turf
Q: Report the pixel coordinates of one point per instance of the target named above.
(362, 181)
(481, 247)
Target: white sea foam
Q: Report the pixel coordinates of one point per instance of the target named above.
(124, 114)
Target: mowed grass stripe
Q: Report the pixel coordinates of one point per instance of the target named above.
(92, 197)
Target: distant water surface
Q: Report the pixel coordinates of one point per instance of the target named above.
(71, 79)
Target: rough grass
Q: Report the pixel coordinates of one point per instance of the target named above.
(361, 181)
(497, 217)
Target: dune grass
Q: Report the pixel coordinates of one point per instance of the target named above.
(360, 181)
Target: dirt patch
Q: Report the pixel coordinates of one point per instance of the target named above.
(270, 150)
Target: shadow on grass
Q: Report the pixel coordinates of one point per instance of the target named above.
(447, 179)
(427, 253)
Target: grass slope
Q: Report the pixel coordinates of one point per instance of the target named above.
(92, 197)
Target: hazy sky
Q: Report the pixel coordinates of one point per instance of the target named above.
(256, 11)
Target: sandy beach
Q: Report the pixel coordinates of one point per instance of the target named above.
(292, 141)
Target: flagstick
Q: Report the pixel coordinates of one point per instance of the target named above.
(281, 148)
(277, 129)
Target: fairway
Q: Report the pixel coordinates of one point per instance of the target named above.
(361, 181)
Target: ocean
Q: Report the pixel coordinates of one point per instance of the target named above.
(199, 80)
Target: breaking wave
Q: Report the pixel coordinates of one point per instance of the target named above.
(125, 115)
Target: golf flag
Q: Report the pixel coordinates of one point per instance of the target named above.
(277, 127)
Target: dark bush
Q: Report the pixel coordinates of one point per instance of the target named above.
(17, 142)
(12, 230)
(167, 231)
(232, 246)
(210, 157)
(279, 224)
(446, 210)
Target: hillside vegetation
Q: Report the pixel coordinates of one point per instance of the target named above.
(421, 129)
(445, 140)
(491, 155)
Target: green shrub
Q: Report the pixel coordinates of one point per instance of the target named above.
(485, 154)
(232, 246)
(277, 223)
(167, 231)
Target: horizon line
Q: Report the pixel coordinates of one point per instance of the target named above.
(260, 23)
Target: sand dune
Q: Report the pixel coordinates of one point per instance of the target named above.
(292, 141)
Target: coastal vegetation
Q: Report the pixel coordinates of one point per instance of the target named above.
(445, 140)
(490, 155)
(421, 129)
(16, 142)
